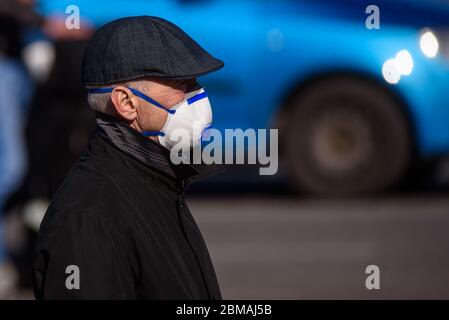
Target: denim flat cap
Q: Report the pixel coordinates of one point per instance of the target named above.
(136, 47)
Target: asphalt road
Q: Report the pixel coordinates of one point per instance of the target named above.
(285, 248)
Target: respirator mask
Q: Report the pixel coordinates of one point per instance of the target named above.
(186, 121)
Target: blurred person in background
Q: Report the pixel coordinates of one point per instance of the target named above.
(59, 122)
(15, 92)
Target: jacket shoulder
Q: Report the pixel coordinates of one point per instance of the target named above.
(88, 191)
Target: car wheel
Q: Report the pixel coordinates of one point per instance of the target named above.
(346, 137)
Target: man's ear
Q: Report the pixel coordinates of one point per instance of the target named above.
(124, 102)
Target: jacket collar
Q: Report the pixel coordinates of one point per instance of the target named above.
(145, 150)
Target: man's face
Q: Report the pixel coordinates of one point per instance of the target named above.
(140, 114)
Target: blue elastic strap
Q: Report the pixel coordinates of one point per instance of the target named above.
(140, 95)
(153, 133)
(197, 97)
(137, 93)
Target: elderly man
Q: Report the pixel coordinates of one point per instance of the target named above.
(119, 227)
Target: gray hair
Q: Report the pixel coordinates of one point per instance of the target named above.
(101, 101)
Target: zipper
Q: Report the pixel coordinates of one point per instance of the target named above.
(181, 194)
(181, 205)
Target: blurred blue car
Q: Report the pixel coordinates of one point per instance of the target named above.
(354, 106)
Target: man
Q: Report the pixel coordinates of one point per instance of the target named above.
(119, 227)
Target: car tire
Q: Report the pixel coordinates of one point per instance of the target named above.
(345, 137)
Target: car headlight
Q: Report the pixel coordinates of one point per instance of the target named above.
(429, 44)
(434, 42)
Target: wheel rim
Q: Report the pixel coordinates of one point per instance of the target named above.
(341, 140)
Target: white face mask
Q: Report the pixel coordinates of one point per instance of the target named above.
(186, 121)
(190, 119)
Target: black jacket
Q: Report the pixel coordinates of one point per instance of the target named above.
(120, 217)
